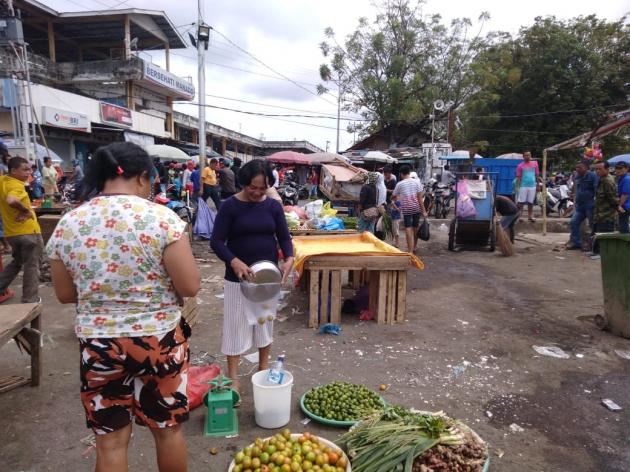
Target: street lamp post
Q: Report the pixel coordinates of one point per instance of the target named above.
(203, 38)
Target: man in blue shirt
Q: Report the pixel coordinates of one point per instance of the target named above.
(584, 187)
(623, 191)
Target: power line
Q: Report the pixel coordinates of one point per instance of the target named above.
(271, 68)
(274, 115)
(243, 70)
(328, 115)
(550, 112)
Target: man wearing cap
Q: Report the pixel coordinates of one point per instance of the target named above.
(623, 191)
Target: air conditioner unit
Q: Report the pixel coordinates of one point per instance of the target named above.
(11, 30)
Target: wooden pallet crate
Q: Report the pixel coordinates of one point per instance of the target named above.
(386, 276)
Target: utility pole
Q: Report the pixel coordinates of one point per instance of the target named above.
(203, 38)
(338, 115)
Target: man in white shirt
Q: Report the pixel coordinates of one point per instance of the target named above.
(409, 192)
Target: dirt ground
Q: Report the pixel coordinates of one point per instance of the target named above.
(466, 348)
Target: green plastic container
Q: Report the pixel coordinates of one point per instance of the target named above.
(615, 253)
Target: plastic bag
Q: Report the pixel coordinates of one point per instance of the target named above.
(424, 232)
(313, 209)
(327, 210)
(299, 212)
(204, 224)
(198, 386)
(259, 313)
(332, 223)
(465, 206)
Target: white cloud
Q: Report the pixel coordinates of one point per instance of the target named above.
(285, 34)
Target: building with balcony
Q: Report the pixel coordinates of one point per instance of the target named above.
(91, 84)
(93, 81)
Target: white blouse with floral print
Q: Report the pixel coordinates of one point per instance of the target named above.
(113, 246)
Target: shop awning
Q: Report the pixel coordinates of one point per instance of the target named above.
(289, 157)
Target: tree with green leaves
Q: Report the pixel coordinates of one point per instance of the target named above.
(553, 80)
(392, 70)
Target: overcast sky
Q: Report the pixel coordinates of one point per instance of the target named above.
(285, 35)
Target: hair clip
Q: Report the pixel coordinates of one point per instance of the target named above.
(120, 171)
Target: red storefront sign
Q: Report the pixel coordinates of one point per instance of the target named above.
(115, 115)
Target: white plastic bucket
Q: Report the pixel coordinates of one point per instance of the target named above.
(272, 403)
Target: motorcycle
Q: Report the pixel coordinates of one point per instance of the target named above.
(558, 201)
(443, 196)
(288, 191)
(429, 195)
(186, 210)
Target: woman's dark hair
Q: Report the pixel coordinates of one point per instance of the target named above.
(126, 160)
(253, 169)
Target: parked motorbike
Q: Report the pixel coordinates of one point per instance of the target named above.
(558, 201)
(429, 195)
(185, 209)
(443, 196)
(288, 191)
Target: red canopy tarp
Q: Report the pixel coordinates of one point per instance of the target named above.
(289, 157)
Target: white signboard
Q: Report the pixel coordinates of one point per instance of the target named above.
(159, 76)
(139, 139)
(66, 119)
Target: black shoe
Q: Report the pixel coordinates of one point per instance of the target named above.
(574, 248)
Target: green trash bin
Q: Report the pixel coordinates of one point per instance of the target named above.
(615, 252)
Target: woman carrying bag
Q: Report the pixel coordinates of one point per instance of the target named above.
(368, 210)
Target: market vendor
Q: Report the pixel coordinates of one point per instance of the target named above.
(248, 228)
(125, 262)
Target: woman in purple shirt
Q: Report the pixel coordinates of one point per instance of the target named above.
(248, 228)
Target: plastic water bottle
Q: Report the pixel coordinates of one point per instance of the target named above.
(276, 372)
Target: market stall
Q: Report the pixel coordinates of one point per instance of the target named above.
(22, 323)
(325, 259)
(341, 182)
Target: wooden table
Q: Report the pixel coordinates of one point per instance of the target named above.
(23, 322)
(320, 232)
(48, 223)
(386, 276)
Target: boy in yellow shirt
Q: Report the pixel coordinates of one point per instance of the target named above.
(22, 232)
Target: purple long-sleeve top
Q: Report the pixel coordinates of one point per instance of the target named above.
(251, 232)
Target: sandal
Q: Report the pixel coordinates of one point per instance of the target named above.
(8, 294)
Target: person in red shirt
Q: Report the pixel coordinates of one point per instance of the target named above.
(314, 182)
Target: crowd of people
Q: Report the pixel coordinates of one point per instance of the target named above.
(602, 199)
(402, 200)
(217, 181)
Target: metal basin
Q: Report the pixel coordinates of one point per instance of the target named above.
(266, 283)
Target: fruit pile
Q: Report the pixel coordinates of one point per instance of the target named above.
(288, 452)
(342, 401)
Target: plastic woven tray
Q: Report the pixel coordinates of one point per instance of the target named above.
(319, 419)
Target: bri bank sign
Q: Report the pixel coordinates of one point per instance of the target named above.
(158, 76)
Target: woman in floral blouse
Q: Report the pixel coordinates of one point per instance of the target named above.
(123, 261)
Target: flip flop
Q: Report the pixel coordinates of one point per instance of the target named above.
(8, 294)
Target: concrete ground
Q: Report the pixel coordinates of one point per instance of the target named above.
(466, 348)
